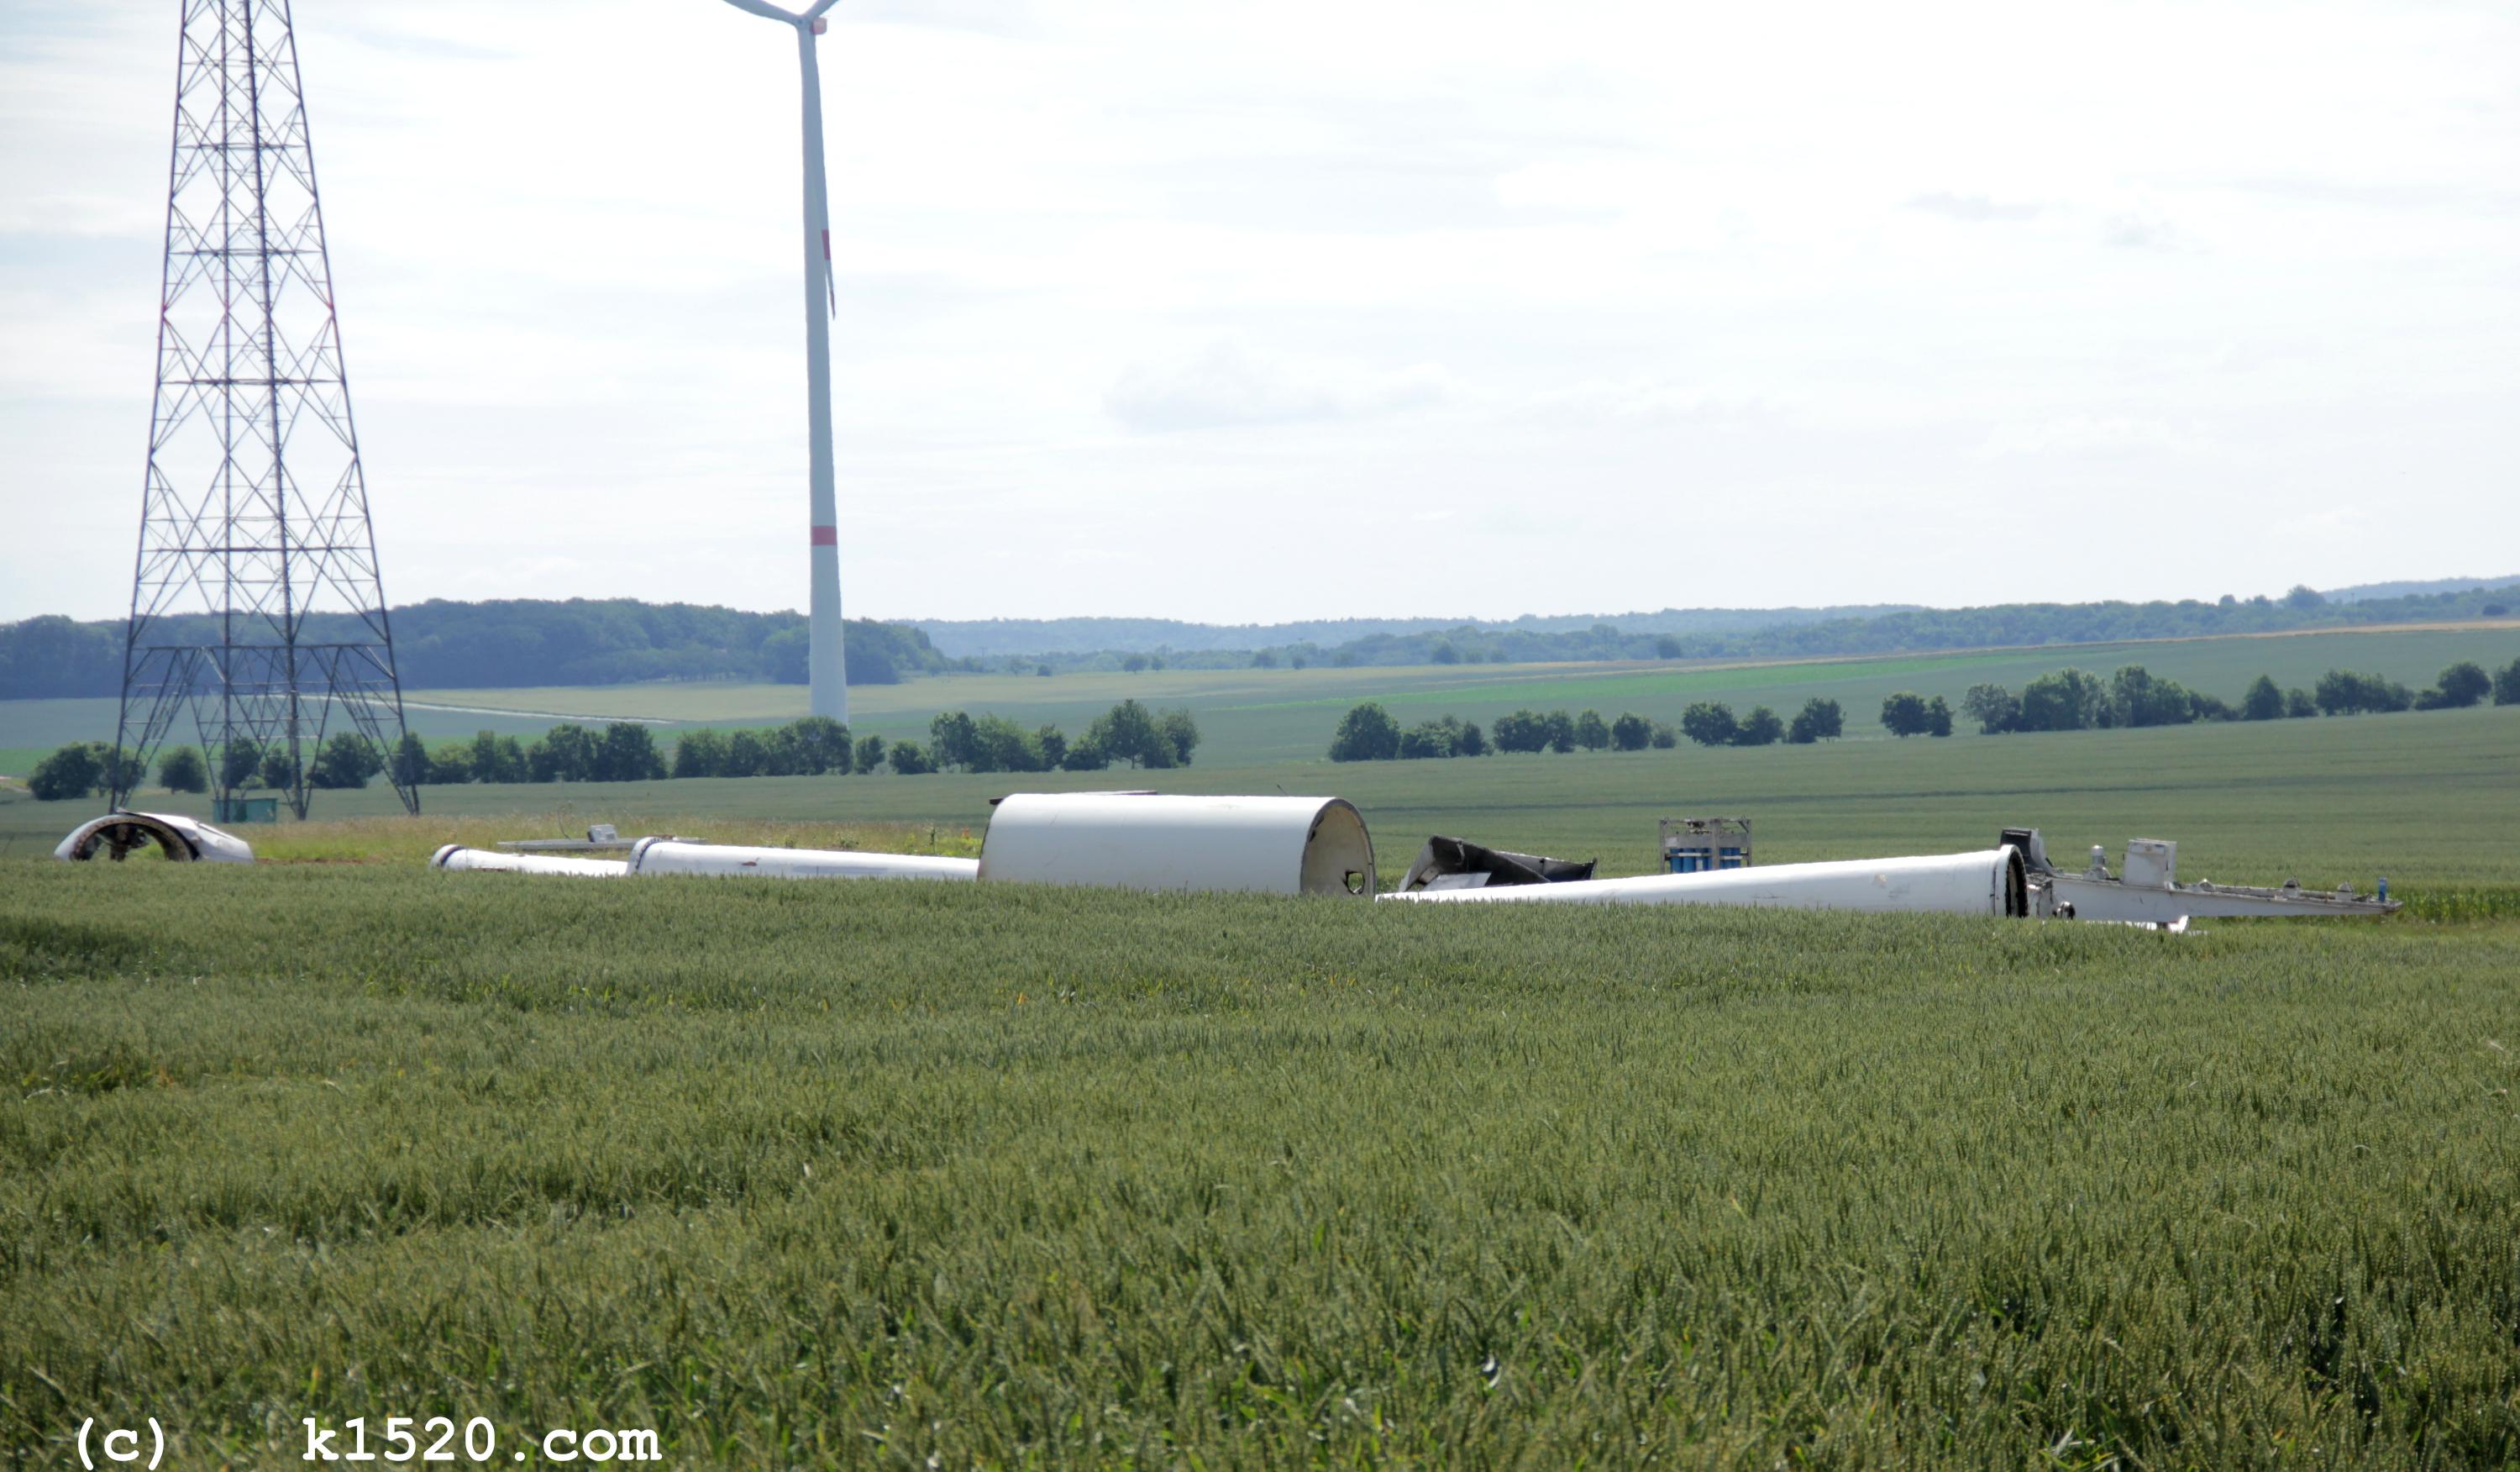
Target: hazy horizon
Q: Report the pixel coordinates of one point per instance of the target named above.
(1449, 618)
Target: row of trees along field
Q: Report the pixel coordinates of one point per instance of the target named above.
(627, 752)
(2074, 700)
(815, 745)
(1369, 733)
(85, 768)
(2068, 700)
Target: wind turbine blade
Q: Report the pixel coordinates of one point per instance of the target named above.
(817, 8)
(759, 8)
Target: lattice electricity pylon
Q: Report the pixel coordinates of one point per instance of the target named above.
(257, 605)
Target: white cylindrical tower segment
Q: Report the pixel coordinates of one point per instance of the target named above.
(1145, 840)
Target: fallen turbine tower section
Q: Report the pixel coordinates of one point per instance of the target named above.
(663, 855)
(1145, 841)
(1995, 882)
(1149, 841)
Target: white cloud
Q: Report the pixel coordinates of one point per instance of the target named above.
(1644, 402)
(1975, 208)
(1826, 280)
(2135, 231)
(2084, 436)
(1222, 385)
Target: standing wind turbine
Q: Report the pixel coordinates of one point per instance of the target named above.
(825, 663)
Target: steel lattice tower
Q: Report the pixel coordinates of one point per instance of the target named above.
(256, 602)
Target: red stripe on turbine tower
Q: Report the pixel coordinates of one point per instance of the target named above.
(827, 536)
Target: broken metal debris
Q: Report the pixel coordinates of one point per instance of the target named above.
(1452, 863)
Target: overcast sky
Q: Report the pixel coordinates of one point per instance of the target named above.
(1302, 309)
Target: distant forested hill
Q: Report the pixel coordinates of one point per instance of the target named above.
(1849, 629)
(618, 641)
(509, 643)
(1931, 628)
(2363, 591)
(989, 639)
(1729, 634)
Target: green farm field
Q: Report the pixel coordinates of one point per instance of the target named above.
(957, 1176)
(1270, 716)
(924, 1174)
(2430, 799)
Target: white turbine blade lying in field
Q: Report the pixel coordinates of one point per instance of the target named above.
(1989, 883)
(664, 856)
(455, 856)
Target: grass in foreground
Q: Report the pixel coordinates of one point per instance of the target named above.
(874, 1173)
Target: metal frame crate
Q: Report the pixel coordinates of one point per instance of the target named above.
(1702, 845)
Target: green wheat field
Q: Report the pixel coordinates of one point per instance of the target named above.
(803, 1175)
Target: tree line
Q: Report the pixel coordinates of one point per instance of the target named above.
(2066, 700)
(85, 768)
(811, 746)
(1711, 723)
(2075, 700)
(1371, 733)
(625, 750)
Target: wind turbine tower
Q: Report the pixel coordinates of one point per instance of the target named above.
(827, 665)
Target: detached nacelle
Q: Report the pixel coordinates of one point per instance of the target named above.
(120, 834)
